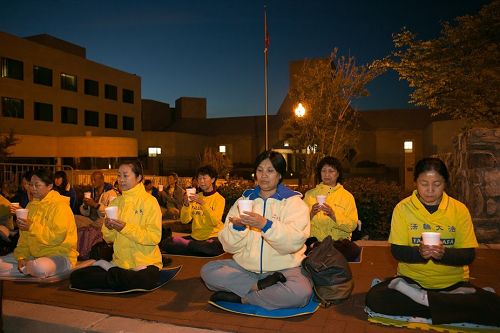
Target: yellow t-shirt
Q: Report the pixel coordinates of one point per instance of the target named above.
(452, 219)
(207, 218)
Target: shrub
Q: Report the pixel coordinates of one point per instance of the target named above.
(231, 191)
(375, 201)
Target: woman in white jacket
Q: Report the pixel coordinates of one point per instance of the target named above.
(267, 244)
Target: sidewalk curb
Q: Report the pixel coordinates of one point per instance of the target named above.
(40, 318)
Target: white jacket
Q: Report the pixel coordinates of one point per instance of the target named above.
(280, 244)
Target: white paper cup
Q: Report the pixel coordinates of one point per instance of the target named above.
(321, 199)
(431, 238)
(112, 212)
(87, 195)
(22, 213)
(160, 188)
(245, 205)
(190, 191)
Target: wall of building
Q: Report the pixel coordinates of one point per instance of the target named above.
(73, 146)
(191, 107)
(35, 54)
(438, 136)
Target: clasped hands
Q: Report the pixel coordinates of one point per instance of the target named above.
(431, 251)
(250, 219)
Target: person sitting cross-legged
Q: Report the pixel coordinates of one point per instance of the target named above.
(267, 243)
(205, 211)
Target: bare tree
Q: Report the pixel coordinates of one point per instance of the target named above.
(219, 161)
(326, 88)
(7, 141)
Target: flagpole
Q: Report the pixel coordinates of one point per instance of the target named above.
(266, 49)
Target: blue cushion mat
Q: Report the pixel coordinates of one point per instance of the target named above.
(254, 310)
(166, 274)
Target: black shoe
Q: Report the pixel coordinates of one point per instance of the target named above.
(225, 296)
(270, 280)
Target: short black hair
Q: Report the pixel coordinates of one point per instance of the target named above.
(136, 167)
(147, 182)
(207, 170)
(431, 163)
(61, 174)
(45, 175)
(277, 160)
(334, 163)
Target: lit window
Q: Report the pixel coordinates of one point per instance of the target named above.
(154, 151)
(222, 149)
(68, 82)
(408, 146)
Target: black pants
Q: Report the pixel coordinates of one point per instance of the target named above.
(481, 307)
(116, 278)
(189, 246)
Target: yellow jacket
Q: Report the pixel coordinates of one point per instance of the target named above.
(53, 231)
(207, 218)
(137, 243)
(344, 207)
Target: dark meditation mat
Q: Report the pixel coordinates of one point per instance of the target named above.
(50, 279)
(166, 274)
(423, 323)
(254, 310)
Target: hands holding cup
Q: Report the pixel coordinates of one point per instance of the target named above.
(111, 222)
(13, 207)
(22, 219)
(431, 246)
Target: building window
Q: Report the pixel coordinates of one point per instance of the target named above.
(68, 82)
(42, 75)
(12, 107)
(12, 69)
(222, 149)
(43, 111)
(91, 87)
(154, 151)
(110, 92)
(128, 96)
(110, 120)
(128, 123)
(69, 115)
(408, 146)
(91, 118)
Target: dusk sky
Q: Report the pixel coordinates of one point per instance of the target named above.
(214, 48)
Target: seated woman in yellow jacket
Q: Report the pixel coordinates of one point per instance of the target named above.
(47, 240)
(135, 235)
(205, 211)
(333, 209)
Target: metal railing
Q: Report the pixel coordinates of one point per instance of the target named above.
(12, 173)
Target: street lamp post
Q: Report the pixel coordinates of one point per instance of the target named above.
(300, 112)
